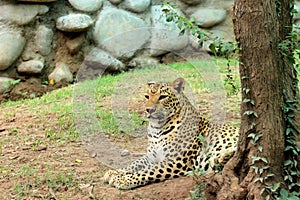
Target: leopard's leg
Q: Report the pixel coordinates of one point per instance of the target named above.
(210, 160)
(139, 164)
(164, 170)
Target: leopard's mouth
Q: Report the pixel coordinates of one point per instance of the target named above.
(155, 116)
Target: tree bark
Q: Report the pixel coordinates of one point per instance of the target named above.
(259, 26)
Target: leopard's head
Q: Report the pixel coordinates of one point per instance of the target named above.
(163, 99)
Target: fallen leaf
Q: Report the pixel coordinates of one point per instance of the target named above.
(51, 81)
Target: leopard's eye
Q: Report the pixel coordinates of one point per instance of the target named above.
(147, 96)
(161, 97)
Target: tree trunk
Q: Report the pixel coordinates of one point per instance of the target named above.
(260, 26)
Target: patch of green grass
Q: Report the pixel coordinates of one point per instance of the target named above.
(65, 132)
(19, 191)
(59, 180)
(36, 144)
(26, 170)
(107, 121)
(137, 119)
(106, 85)
(13, 131)
(201, 77)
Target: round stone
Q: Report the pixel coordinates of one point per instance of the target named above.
(31, 67)
(43, 40)
(208, 17)
(74, 23)
(60, 73)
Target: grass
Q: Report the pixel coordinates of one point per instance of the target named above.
(110, 89)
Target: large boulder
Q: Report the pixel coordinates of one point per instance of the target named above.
(101, 61)
(96, 63)
(21, 14)
(165, 35)
(11, 46)
(86, 5)
(120, 32)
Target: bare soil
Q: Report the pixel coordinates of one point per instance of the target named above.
(29, 88)
(35, 166)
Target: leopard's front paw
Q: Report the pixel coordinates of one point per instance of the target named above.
(119, 179)
(109, 175)
(124, 182)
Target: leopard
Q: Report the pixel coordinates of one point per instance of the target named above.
(180, 140)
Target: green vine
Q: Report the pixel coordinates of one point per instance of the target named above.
(292, 151)
(217, 46)
(290, 48)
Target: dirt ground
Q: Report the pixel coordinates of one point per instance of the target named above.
(34, 165)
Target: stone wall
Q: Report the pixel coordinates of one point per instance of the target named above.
(50, 39)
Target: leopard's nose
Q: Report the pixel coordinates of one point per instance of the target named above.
(150, 110)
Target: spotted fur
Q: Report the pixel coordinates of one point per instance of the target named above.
(174, 144)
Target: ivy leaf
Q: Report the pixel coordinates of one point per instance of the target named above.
(246, 90)
(284, 193)
(269, 175)
(288, 148)
(251, 112)
(251, 135)
(213, 48)
(288, 162)
(264, 159)
(276, 186)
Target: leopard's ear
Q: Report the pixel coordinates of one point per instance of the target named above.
(150, 83)
(178, 85)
